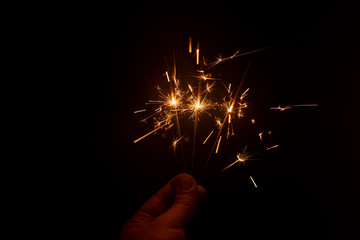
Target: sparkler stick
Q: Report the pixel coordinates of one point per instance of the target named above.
(174, 103)
(179, 133)
(197, 106)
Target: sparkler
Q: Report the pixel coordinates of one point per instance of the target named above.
(180, 102)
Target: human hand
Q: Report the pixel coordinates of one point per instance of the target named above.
(165, 214)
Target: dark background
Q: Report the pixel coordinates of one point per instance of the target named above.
(307, 187)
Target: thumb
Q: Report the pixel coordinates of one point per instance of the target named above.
(187, 196)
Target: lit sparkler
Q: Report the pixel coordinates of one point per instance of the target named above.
(180, 102)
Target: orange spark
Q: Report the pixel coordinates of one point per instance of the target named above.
(197, 56)
(275, 146)
(217, 147)
(208, 137)
(190, 45)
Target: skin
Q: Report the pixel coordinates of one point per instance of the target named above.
(165, 214)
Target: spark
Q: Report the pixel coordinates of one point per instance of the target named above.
(241, 157)
(175, 142)
(190, 88)
(173, 101)
(244, 93)
(228, 89)
(204, 61)
(234, 55)
(230, 165)
(218, 137)
(190, 100)
(219, 59)
(139, 111)
(167, 76)
(149, 133)
(152, 115)
(205, 77)
(260, 136)
(209, 87)
(218, 122)
(291, 106)
(275, 146)
(190, 45)
(281, 108)
(238, 54)
(208, 136)
(197, 56)
(218, 145)
(197, 106)
(306, 105)
(253, 182)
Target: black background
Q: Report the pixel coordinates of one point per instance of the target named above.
(307, 187)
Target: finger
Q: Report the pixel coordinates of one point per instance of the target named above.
(157, 204)
(187, 197)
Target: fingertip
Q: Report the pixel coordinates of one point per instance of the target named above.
(185, 182)
(202, 192)
(181, 175)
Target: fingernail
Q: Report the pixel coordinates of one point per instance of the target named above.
(185, 182)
